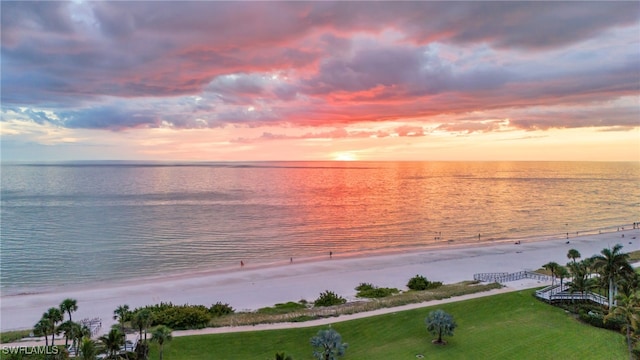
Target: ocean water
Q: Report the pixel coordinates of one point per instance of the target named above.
(75, 223)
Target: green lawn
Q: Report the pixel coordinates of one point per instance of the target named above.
(507, 326)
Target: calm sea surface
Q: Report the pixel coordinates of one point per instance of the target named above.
(81, 222)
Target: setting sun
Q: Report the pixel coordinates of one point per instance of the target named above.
(345, 157)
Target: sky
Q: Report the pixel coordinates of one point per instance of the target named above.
(259, 81)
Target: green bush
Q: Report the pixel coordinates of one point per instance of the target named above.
(365, 287)
(329, 298)
(366, 290)
(376, 293)
(420, 282)
(220, 309)
(596, 319)
(179, 317)
(185, 317)
(282, 308)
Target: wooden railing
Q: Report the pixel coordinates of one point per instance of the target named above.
(550, 293)
(557, 293)
(506, 277)
(94, 325)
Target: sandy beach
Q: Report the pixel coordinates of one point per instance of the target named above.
(254, 287)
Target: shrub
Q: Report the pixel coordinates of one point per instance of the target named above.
(377, 293)
(596, 319)
(186, 317)
(420, 282)
(179, 317)
(282, 308)
(329, 298)
(220, 309)
(364, 287)
(366, 290)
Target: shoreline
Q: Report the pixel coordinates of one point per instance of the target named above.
(381, 252)
(256, 286)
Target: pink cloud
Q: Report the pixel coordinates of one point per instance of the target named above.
(110, 64)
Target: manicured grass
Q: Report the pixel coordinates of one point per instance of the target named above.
(506, 326)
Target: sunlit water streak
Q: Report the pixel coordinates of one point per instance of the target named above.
(81, 222)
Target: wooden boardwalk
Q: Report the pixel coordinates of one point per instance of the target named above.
(550, 294)
(506, 277)
(562, 293)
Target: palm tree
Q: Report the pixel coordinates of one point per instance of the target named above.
(629, 284)
(161, 334)
(42, 328)
(553, 267)
(142, 319)
(328, 345)
(69, 306)
(573, 254)
(629, 310)
(70, 331)
(112, 342)
(142, 350)
(440, 323)
(562, 273)
(121, 313)
(83, 332)
(87, 350)
(55, 316)
(581, 282)
(588, 264)
(612, 264)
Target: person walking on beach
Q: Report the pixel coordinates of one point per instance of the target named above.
(330, 254)
(241, 263)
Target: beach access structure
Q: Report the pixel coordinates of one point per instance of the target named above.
(556, 293)
(552, 293)
(501, 277)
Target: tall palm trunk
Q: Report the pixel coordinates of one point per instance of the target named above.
(629, 342)
(611, 287)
